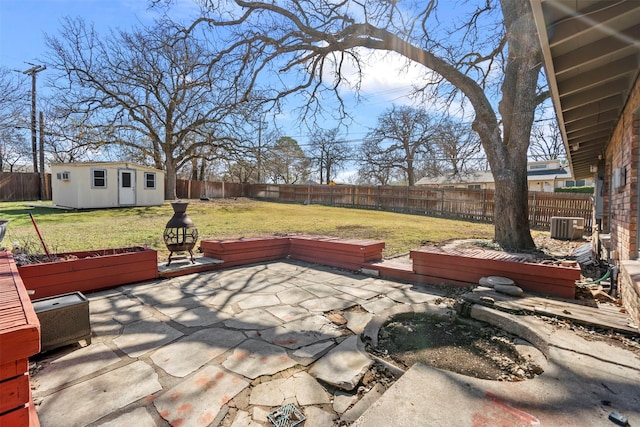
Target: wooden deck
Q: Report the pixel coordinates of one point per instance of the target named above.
(19, 339)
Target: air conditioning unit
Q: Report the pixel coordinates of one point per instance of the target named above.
(567, 228)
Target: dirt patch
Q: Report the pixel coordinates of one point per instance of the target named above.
(478, 351)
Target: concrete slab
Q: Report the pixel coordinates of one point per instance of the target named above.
(255, 358)
(256, 319)
(320, 305)
(344, 366)
(320, 290)
(343, 400)
(198, 400)
(301, 333)
(316, 416)
(294, 296)
(379, 304)
(182, 357)
(158, 294)
(104, 328)
(357, 321)
(88, 401)
(243, 419)
(364, 294)
(308, 391)
(201, 316)
(138, 417)
(288, 313)
(141, 337)
(363, 404)
(309, 354)
(258, 301)
(301, 389)
(64, 369)
(411, 296)
(177, 306)
(272, 393)
(563, 395)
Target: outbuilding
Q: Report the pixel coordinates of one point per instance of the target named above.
(87, 185)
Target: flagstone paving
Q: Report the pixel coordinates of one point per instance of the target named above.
(229, 347)
(217, 347)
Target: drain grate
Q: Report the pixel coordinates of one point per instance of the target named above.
(286, 416)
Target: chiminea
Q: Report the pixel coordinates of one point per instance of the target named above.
(180, 234)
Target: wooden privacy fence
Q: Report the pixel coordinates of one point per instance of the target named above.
(188, 189)
(476, 205)
(18, 186)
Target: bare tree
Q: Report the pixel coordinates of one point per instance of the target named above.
(403, 140)
(492, 51)
(546, 141)
(14, 104)
(330, 153)
(161, 96)
(457, 145)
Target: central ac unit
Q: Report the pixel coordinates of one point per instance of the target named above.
(567, 228)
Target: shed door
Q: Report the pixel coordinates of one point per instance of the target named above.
(127, 187)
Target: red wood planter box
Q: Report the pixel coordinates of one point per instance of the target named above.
(90, 271)
(235, 252)
(19, 339)
(532, 277)
(342, 253)
(349, 254)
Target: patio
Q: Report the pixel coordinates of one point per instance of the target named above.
(221, 347)
(229, 347)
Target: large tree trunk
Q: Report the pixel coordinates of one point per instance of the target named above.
(170, 188)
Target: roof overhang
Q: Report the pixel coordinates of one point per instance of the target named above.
(591, 53)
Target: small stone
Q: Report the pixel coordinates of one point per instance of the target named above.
(487, 299)
(337, 318)
(509, 290)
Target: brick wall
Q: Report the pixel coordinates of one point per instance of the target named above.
(621, 205)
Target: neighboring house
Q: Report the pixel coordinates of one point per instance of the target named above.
(592, 59)
(545, 175)
(89, 185)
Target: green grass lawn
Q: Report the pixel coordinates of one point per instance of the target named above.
(66, 231)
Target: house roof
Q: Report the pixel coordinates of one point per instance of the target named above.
(486, 177)
(592, 59)
(126, 165)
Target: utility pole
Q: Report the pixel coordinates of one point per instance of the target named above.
(34, 148)
(43, 181)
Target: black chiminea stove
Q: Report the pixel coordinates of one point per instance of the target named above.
(180, 234)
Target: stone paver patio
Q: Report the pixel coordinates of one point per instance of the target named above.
(222, 348)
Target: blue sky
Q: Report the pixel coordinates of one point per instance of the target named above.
(23, 24)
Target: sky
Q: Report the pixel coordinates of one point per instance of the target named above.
(24, 23)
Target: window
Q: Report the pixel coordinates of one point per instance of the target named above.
(581, 183)
(569, 183)
(63, 176)
(532, 167)
(98, 178)
(149, 180)
(473, 187)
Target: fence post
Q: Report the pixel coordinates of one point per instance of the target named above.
(353, 196)
(441, 201)
(533, 212)
(484, 204)
(407, 208)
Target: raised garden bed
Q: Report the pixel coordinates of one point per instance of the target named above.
(19, 340)
(343, 253)
(468, 266)
(89, 271)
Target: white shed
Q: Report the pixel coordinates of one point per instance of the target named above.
(89, 185)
